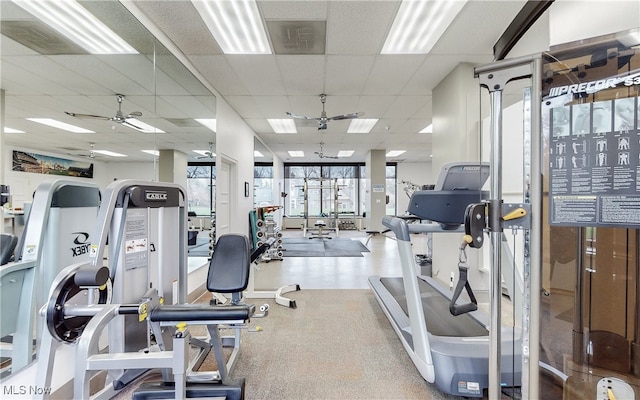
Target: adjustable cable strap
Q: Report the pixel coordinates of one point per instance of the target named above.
(463, 283)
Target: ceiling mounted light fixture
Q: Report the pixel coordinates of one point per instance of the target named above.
(11, 130)
(152, 152)
(60, 125)
(142, 127)
(427, 129)
(345, 153)
(285, 125)
(78, 25)
(236, 25)
(419, 24)
(395, 153)
(362, 125)
(210, 123)
(296, 153)
(109, 153)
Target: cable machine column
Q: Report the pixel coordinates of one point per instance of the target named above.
(495, 77)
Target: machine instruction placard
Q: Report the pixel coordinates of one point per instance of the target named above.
(135, 239)
(594, 163)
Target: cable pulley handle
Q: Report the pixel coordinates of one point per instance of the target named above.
(463, 283)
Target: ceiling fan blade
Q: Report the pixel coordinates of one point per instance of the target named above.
(77, 115)
(299, 116)
(134, 114)
(346, 116)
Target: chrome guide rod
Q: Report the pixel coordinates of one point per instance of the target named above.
(535, 254)
(495, 77)
(495, 289)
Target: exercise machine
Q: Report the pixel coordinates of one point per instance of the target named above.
(320, 226)
(267, 246)
(449, 350)
(56, 234)
(146, 226)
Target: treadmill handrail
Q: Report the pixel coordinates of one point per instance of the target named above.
(398, 226)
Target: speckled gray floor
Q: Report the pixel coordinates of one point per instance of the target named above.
(336, 345)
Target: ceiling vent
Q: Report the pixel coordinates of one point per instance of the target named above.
(184, 122)
(298, 37)
(40, 38)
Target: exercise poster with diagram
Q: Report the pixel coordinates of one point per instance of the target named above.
(594, 153)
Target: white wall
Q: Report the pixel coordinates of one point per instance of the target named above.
(235, 142)
(571, 20)
(144, 171)
(23, 184)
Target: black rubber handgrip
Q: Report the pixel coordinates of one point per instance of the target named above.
(458, 309)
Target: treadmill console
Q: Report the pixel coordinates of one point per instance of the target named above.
(459, 184)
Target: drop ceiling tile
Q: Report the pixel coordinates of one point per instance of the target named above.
(217, 71)
(390, 73)
(302, 74)
(267, 82)
(347, 75)
(358, 27)
(293, 10)
(406, 106)
(245, 106)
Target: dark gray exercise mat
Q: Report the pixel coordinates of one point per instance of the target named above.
(334, 247)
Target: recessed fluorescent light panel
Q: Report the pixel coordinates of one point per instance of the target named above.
(141, 126)
(236, 25)
(11, 130)
(345, 153)
(361, 125)
(109, 153)
(78, 25)
(152, 152)
(395, 153)
(60, 125)
(427, 129)
(296, 153)
(419, 25)
(257, 154)
(210, 123)
(282, 125)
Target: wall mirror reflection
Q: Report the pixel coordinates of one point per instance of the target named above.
(113, 112)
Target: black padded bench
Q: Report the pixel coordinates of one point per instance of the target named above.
(228, 273)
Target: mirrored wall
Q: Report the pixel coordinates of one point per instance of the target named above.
(132, 104)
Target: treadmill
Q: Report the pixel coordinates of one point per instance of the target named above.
(450, 351)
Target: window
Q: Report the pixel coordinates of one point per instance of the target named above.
(201, 184)
(351, 183)
(263, 186)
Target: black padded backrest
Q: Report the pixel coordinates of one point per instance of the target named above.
(8, 244)
(229, 265)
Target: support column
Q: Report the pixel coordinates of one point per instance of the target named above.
(456, 105)
(376, 204)
(172, 167)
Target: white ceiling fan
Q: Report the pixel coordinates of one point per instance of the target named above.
(119, 117)
(322, 155)
(323, 119)
(208, 154)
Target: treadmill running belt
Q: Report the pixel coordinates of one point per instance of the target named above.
(439, 320)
